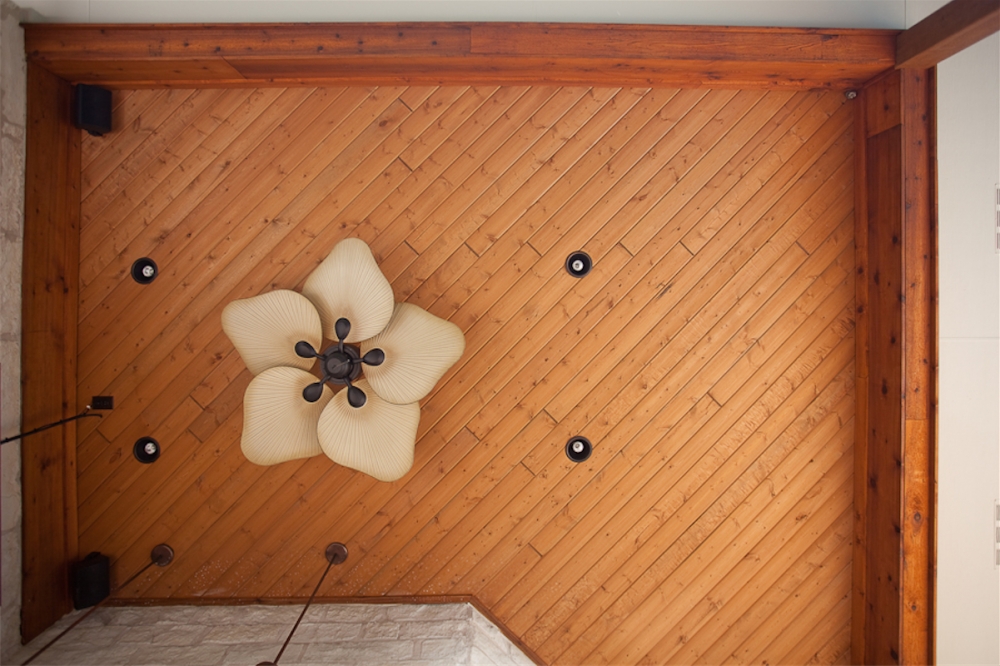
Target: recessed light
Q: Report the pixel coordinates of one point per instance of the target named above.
(144, 270)
(579, 264)
(578, 449)
(146, 450)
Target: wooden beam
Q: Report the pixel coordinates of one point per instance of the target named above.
(129, 56)
(859, 577)
(48, 369)
(919, 248)
(893, 605)
(957, 25)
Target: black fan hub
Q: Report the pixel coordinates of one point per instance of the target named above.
(341, 366)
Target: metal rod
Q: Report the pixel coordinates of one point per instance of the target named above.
(51, 425)
(86, 615)
(303, 613)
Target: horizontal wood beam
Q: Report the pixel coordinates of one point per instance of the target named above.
(128, 56)
(957, 25)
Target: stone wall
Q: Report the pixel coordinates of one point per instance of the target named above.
(355, 634)
(12, 124)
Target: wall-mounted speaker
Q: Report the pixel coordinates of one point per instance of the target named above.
(92, 109)
(91, 580)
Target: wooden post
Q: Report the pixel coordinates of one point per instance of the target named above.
(894, 493)
(48, 370)
(919, 365)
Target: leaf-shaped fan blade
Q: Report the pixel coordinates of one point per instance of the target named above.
(376, 439)
(265, 329)
(278, 425)
(419, 348)
(348, 284)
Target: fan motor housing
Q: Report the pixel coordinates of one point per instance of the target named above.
(342, 366)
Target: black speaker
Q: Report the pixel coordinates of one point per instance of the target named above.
(91, 580)
(92, 109)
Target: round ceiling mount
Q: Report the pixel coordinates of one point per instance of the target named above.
(146, 450)
(336, 553)
(579, 264)
(162, 555)
(144, 270)
(578, 449)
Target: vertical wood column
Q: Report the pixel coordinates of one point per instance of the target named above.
(896, 341)
(48, 371)
(919, 485)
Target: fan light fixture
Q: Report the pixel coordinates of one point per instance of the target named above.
(401, 349)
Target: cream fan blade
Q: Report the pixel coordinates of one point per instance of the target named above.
(265, 328)
(349, 284)
(419, 348)
(278, 423)
(377, 438)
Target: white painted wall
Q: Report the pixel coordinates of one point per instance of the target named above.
(969, 338)
(811, 13)
(969, 116)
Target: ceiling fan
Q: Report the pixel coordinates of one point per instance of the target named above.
(388, 355)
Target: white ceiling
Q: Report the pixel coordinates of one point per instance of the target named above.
(804, 13)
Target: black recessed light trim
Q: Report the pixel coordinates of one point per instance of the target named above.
(146, 450)
(579, 264)
(578, 448)
(144, 270)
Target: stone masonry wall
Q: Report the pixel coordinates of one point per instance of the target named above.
(13, 93)
(355, 634)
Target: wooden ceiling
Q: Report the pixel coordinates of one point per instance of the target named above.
(709, 356)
